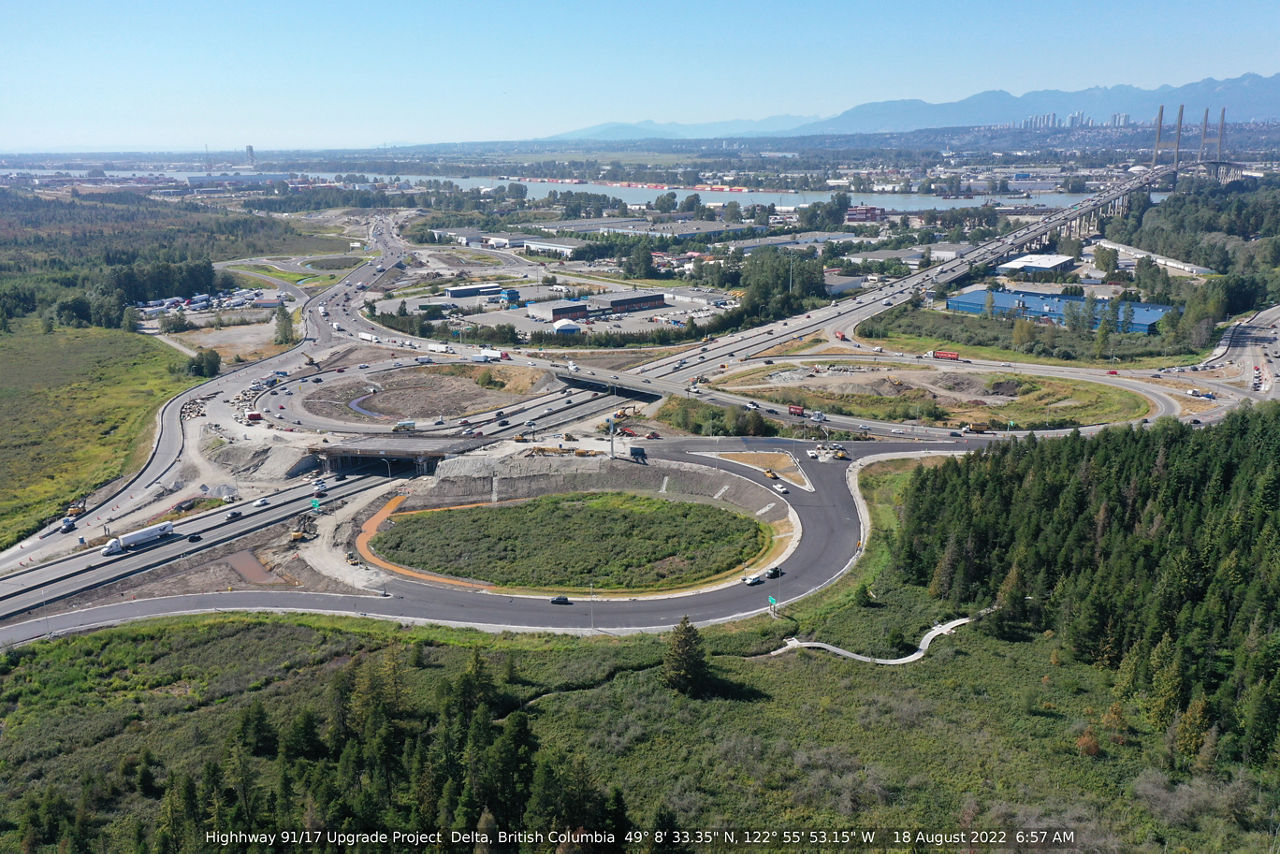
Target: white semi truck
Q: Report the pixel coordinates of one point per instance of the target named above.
(137, 538)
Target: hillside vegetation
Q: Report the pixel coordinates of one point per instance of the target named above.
(1152, 553)
(611, 540)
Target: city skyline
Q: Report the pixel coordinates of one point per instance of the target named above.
(292, 75)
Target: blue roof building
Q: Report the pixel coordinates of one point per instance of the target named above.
(1043, 307)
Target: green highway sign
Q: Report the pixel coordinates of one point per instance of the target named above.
(773, 601)
(315, 503)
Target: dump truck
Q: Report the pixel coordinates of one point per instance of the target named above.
(405, 427)
(795, 410)
(137, 538)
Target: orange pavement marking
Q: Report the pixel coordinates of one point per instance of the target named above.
(369, 528)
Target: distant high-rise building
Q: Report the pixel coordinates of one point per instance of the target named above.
(248, 150)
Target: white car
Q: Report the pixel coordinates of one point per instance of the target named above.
(749, 580)
(780, 489)
(261, 502)
(813, 455)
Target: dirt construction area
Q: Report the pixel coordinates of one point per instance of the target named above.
(426, 393)
(955, 397)
(948, 389)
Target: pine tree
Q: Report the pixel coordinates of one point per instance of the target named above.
(684, 667)
(1192, 727)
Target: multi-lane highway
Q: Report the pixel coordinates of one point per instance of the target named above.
(829, 522)
(826, 514)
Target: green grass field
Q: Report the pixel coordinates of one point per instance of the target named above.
(1040, 401)
(609, 541)
(77, 409)
(981, 734)
(275, 273)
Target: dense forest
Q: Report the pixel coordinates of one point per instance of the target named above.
(377, 755)
(1153, 552)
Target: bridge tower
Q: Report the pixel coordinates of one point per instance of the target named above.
(1216, 140)
(1176, 145)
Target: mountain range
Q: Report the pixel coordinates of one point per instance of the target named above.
(1249, 97)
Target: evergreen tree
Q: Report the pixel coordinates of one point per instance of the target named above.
(684, 667)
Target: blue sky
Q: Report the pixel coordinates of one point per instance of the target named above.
(144, 75)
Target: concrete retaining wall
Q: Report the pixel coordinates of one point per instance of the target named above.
(504, 480)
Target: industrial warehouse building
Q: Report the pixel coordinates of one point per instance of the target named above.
(561, 309)
(473, 291)
(562, 246)
(1044, 308)
(624, 303)
(1037, 264)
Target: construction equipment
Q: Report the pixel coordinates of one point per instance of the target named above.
(626, 411)
(76, 508)
(310, 361)
(771, 474)
(353, 558)
(304, 528)
(519, 437)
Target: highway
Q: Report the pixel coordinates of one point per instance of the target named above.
(830, 524)
(827, 515)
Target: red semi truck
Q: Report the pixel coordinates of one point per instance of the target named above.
(795, 410)
(945, 354)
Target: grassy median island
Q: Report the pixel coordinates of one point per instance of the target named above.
(75, 406)
(609, 540)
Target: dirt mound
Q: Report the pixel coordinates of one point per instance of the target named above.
(1005, 388)
(243, 460)
(425, 393)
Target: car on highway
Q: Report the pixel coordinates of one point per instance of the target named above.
(340, 371)
(613, 376)
(362, 365)
(339, 477)
(751, 580)
(261, 502)
(233, 514)
(194, 538)
(559, 600)
(273, 391)
(315, 379)
(780, 489)
(288, 393)
(897, 430)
